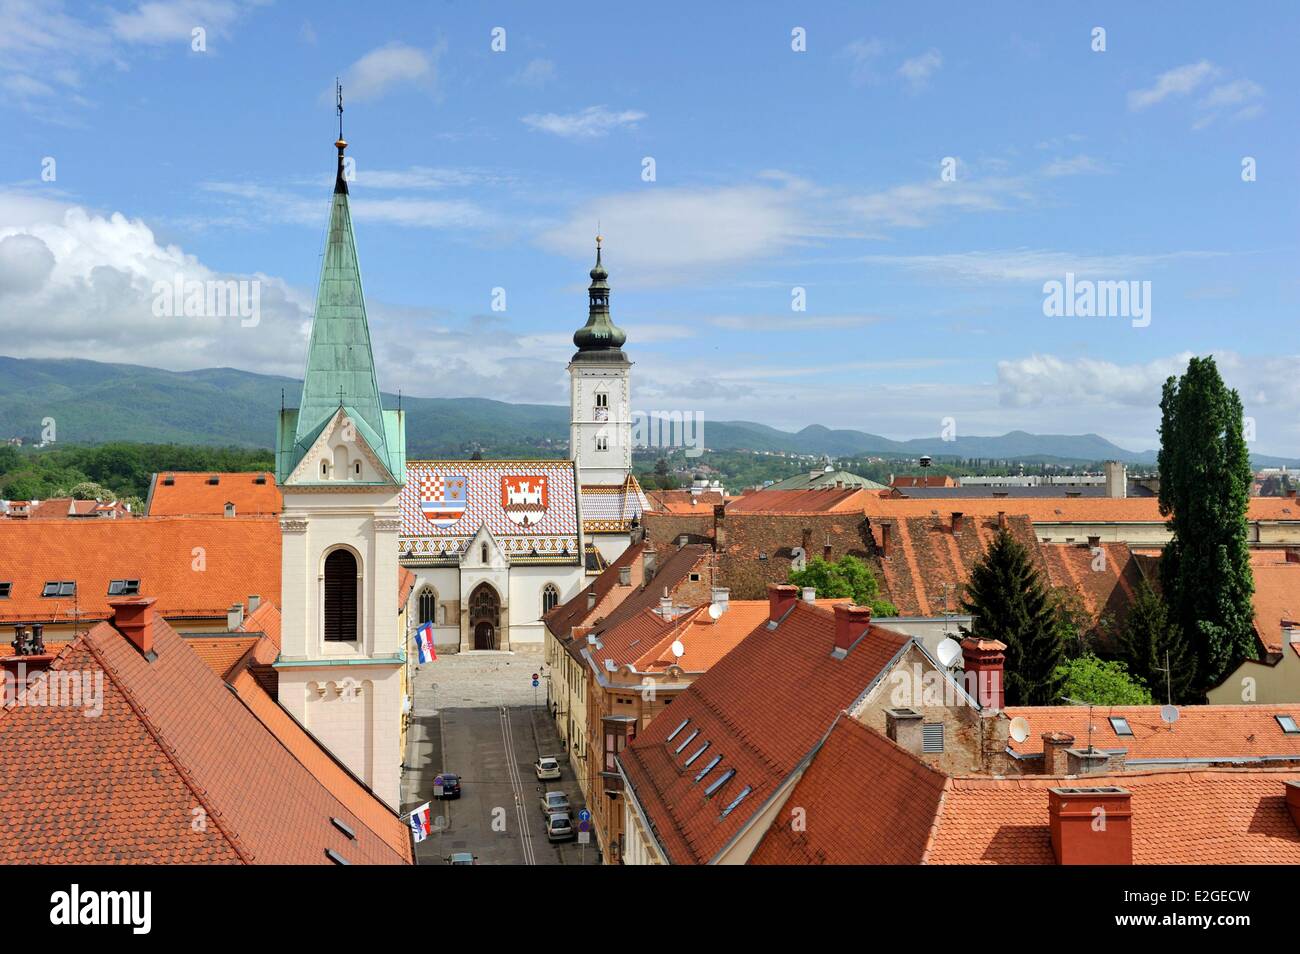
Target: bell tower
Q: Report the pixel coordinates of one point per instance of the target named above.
(341, 463)
(600, 419)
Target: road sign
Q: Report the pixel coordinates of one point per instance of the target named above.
(437, 786)
(584, 826)
(584, 837)
(584, 815)
(535, 683)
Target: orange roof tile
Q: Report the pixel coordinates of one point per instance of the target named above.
(1277, 601)
(817, 500)
(1060, 509)
(1201, 732)
(194, 495)
(763, 728)
(220, 653)
(171, 746)
(867, 801)
(1106, 581)
(685, 502)
(193, 566)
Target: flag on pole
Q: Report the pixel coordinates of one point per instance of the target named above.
(424, 643)
(421, 823)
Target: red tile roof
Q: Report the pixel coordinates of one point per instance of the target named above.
(866, 801)
(194, 495)
(1106, 581)
(685, 502)
(817, 500)
(574, 612)
(193, 566)
(173, 745)
(220, 653)
(1061, 509)
(1201, 732)
(762, 727)
(1277, 601)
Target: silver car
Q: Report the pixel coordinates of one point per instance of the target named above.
(559, 827)
(555, 803)
(547, 769)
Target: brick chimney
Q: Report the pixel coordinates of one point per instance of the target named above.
(984, 662)
(1054, 746)
(1002, 519)
(1293, 801)
(781, 597)
(904, 727)
(719, 526)
(850, 623)
(1091, 826)
(649, 564)
(956, 522)
(1087, 762)
(1094, 542)
(886, 541)
(134, 619)
(29, 653)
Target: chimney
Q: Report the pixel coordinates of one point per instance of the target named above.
(826, 549)
(1091, 826)
(850, 624)
(1054, 746)
(719, 526)
(1116, 479)
(666, 605)
(649, 563)
(624, 576)
(721, 595)
(1292, 555)
(1094, 542)
(1293, 801)
(904, 727)
(253, 603)
(581, 632)
(886, 531)
(235, 616)
(956, 522)
(984, 659)
(134, 618)
(29, 653)
(1002, 519)
(809, 594)
(591, 599)
(1086, 761)
(781, 598)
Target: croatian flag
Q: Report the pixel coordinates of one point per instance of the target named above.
(424, 643)
(421, 823)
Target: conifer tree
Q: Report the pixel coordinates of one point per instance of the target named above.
(1010, 603)
(1150, 643)
(1205, 480)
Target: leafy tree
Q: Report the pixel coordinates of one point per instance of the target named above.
(1010, 604)
(848, 577)
(1150, 642)
(661, 467)
(1205, 480)
(87, 490)
(1101, 682)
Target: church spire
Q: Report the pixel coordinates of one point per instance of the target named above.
(340, 180)
(599, 339)
(340, 361)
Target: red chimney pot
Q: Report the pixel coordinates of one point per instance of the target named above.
(1091, 826)
(780, 597)
(134, 619)
(850, 623)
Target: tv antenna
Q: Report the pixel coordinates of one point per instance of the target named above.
(1080, 702)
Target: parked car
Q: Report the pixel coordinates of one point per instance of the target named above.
(547, 768)
(554, 803)
(450, 786)
(559, 827)
(462, 858)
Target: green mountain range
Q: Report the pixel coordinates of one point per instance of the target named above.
(93, 402)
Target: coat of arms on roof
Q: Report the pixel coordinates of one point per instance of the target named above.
(524, 498)
(442, 499)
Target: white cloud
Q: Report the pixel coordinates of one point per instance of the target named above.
(1179, 81)
(1033, 265)
(919, 204)
(383, 69)
(862, 55)
(590, 123)
(1074, 166)
(918, 70)
(166, 22)
(1044, 379)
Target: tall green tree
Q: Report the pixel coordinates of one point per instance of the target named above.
(1007, 597)
(1205, 480)
(847, 577)
(1151, 642)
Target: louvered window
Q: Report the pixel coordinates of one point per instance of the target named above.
(932, 737)
(341, 597)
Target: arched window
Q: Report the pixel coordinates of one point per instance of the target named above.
(550, 598)
(483, 553)
(341, 597)
(427, 605)
(324, 468)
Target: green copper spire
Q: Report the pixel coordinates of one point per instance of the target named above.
(340, 362)
(599, 339)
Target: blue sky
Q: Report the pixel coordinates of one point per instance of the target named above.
(774, 169)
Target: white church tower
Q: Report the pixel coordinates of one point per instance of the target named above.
(600, 428)
(341, 463)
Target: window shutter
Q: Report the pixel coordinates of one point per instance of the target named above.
(932, 737)
(340, 597)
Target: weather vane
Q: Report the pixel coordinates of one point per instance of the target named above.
(338, 95)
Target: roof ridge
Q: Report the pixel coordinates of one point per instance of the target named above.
(169, 752)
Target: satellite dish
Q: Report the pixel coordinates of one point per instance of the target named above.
(715, 610)
(678, 649)
(1020, 728)
(1169, 714)
(948, 652)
